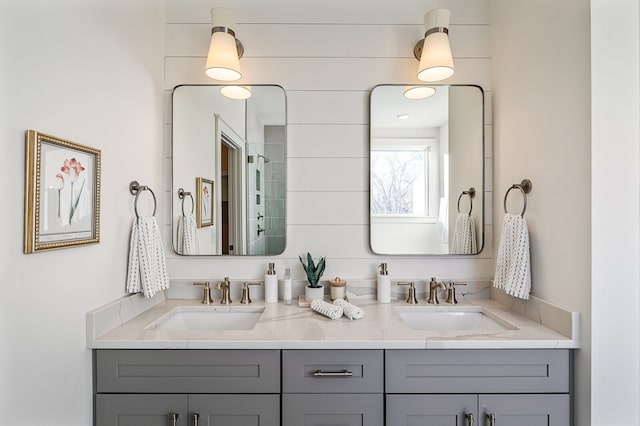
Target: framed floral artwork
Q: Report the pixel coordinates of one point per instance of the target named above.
(204, 202)
(62, 193)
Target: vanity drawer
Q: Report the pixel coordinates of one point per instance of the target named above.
(332, 371)
(187, 371)
(477, 371)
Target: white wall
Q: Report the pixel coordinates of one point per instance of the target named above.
(89, 72)
(541, 81)
(328, 56)
(615, 68)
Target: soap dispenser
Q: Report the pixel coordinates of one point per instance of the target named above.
(384, 284)
(286, 287)
(271, 285)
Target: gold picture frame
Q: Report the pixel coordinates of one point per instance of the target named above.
(62, 193)
(204, 202)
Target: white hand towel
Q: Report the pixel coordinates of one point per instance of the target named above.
(147, 270)
(350, 311)
(326, 309)
(513, 269)
(187, 235)
(464, 235)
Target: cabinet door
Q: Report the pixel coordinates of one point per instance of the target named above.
(235, 410)
(432, 410)
(525, 410)
(141, 410)
(332, 410)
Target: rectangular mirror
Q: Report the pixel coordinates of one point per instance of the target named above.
(229, 171)
(427, 170)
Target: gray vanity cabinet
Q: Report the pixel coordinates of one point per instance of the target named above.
(496, 387)
(187, 387)
(332, 387)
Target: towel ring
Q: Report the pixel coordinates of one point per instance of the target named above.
(135, 189)
(471, 193)
(525, 188)
(182, 195)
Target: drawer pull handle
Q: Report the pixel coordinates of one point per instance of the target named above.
(469, 418)
(196, 416)
(343, 373)
(173, 419)
(492, 419)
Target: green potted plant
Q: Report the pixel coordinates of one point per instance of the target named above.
(314, 271)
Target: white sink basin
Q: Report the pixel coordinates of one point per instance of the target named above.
(186, 318)
(452, 318)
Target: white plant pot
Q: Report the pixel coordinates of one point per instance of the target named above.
(313, 293)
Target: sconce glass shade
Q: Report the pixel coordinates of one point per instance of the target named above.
(436, 61)
(222, 60)
(236, 92)
(419, 92)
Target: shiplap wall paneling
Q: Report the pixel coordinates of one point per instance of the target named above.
(328, 57)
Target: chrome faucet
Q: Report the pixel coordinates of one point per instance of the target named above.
(225, 287)
(433, 291)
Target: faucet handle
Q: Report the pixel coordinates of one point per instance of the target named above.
(245, 291)
(451, 292)
(206, 292)
(412, 292)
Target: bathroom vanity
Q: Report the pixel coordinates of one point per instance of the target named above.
(295, 367)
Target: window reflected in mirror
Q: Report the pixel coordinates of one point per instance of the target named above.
(424, 153)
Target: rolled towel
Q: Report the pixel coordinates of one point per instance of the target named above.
(327, 309)
(350, 311)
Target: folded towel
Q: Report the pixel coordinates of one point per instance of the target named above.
(326, 309)
(464, 235)
(147, 270)
(513, 269)
(350, 311)
(187, 235)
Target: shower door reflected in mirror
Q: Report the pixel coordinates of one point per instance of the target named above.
(240, 146)
(427, 171)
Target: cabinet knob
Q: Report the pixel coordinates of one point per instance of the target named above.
(196, 417)
(469, 418)
(173, 419)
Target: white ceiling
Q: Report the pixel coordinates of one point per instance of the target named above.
(388, 101)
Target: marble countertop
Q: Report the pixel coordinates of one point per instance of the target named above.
(281, 326)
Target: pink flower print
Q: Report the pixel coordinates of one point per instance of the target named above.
(59, 186)
(205, 199)
(72, 168)
(59, 182)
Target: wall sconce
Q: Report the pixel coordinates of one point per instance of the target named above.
(225, 50)
(236, 92)
(419, 92)
(434, 51)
